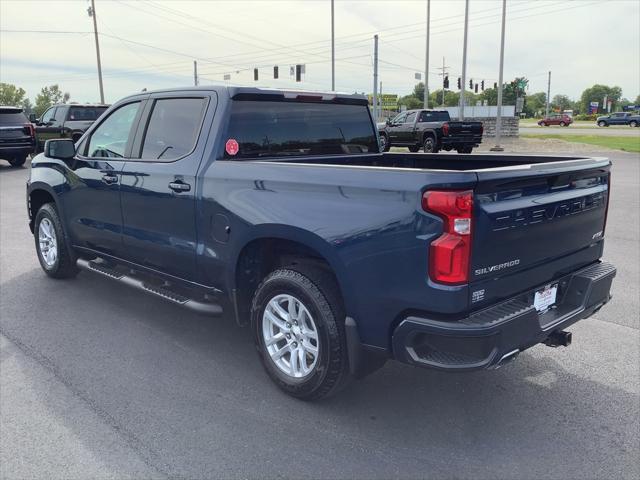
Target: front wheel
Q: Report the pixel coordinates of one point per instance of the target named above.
(602, 124)
(542, 124)
(53, 252)
(429, 145)
(562, 124)
(298, 323)
(18, 160)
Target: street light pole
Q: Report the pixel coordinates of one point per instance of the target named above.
(333, 50)
(498, 147)
(375, 77)
(95, 33)
(426, 59)
(548, 95)
(464, 60)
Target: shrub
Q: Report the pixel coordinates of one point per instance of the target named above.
(584, 116)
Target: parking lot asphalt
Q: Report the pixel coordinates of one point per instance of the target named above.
(100, 381)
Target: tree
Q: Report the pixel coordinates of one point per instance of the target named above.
(418, 91)
(450, 98)
(11, 95)
(535, 104)
(637, 100)
(411, 101)
(49, 96)
(596, 93)
(561, 102)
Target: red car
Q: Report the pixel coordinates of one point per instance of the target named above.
(560, 119)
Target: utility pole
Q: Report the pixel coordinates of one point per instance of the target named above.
(375, 78)
(333, 51)
(444, 74)
(426, 59)
(498, 147)
(548, 94)
(92, 13)
(195, 73)
(464, 60)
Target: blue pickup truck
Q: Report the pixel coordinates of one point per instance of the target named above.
(279, 209)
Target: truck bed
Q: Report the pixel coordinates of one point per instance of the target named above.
(445, 161)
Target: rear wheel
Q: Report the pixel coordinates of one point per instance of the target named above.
(384, 143)
(429, 145)
(18, 160)
(53, 252)
(414, 148)
(562, 124)
(633, 123)
(298, 323)
(465, 150)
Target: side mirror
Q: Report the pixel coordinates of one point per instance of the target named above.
(61, 148)
(388, 122)
(33, 118)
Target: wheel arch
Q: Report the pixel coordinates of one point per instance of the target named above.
(38, 195)
(273, 246)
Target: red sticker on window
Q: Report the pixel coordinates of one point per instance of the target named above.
(231, 147)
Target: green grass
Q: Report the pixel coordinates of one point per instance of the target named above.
(627, 144)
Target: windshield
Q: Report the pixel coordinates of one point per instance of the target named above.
(278, 129)
(12, 117)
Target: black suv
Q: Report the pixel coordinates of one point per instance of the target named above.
(66, 121)
(17, 136)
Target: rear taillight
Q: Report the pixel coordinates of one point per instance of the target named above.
(450, 253)
(29, 130)
(606, 208)
(445, 129)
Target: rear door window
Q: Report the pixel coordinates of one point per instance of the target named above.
(281, 128)
(173, 128)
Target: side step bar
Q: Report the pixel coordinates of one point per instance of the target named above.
(205, 308)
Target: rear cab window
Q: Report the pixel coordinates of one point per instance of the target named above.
(434, 117)
(276, 129)
(85, 113)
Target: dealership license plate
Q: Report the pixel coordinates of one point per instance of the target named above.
(545, 298)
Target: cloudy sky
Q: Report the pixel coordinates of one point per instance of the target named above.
(153, 43)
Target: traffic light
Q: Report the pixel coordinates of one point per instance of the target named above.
(255, 74)
(275, 72)
(470, 84)
(482, 85)
(459, 86)
(495, 85)
(476, 88)
(446, 81)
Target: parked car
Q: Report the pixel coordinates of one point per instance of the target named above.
(619, 118)
(66, 121)
(431, 130)
(17, 137)
(278, 208)
(559, 119)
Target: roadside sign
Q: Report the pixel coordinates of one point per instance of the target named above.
(630, 108)
(388, 101)
(593, 107)
(418, 76)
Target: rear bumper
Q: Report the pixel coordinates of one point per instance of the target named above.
(489, 337)
(16, 149)
(461, 141)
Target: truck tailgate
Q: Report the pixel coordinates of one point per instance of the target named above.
(534, 224)
(471, 129)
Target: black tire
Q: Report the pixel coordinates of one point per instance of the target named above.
(414, 148)
(602, 124)
(429, 145)
(465, 150)
(385, 146)
(317, 291)
(633, 123)
(562, 124)
(64, 265)
(542, 124)
(18, 160)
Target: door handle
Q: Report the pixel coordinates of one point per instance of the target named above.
(179, 186)
(110, 179)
